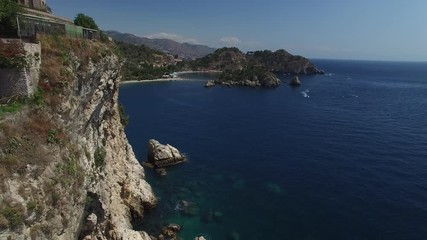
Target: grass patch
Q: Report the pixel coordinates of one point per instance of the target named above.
(10, 108)
(71, 166)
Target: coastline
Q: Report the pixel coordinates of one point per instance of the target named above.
(170, 79)
(154, 80)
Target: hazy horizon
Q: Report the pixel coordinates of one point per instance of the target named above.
(331, 29)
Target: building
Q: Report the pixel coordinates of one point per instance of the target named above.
(34, 4)
(37, 18)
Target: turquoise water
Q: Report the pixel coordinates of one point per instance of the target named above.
(344, 156)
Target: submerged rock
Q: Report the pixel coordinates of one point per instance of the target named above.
(273, 187)
(200, 238)
(187, 208)
(161, 171)
(233, 236)
(207, 217)
(295, 82)
(218, 216)
(163, 155)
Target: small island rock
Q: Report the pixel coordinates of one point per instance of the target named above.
(210, 83)
(163, 155)
(295, 81)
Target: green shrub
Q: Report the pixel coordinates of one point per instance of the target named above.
(31, 205)
(71, 166)
(99, 156)
(52, 136)
(124, 119)
(13, 214)
(37, 97)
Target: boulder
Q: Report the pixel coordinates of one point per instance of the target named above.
(163, 155)
(200, 238)
(269, 79)
(210, 83)
(171, 230)
(295, 82)
(91, 221)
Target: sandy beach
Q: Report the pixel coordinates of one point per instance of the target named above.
(170, 79)
(155, 80)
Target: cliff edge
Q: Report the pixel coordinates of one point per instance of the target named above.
(68, 171)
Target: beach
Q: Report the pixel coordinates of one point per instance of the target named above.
(170, 79)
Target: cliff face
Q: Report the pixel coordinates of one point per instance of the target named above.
(84, 180)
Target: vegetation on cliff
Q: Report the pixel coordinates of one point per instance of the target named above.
(56, 155)
(8, 11)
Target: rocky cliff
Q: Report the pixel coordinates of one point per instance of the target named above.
(68, 171)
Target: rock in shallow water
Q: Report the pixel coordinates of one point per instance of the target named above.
(295, 82)
(163, 155)
(210, 83)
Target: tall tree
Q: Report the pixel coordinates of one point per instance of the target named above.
(85, 21)
(8, 10)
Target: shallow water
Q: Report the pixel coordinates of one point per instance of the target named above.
(344, 156)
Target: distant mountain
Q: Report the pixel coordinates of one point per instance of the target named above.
(183, 50)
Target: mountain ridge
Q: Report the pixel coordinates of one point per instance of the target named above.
(183, 50)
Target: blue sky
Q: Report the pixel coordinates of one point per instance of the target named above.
(333, 29)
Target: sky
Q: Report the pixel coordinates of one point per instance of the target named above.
(393, 30)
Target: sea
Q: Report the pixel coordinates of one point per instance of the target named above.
(343, 156)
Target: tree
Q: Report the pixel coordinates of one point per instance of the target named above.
(85, 21)
(8, 11)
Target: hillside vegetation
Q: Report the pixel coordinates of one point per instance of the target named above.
(233, 59)
(142, 63)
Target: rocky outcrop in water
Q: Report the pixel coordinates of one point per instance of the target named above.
(210, 83)
(161, 155)
(295, 82)
(248, 77)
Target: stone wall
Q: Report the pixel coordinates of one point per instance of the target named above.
(21, 82)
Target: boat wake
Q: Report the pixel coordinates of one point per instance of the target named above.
(305, 93)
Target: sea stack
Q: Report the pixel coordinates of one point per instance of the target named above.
(295, 82)
(163, 155)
